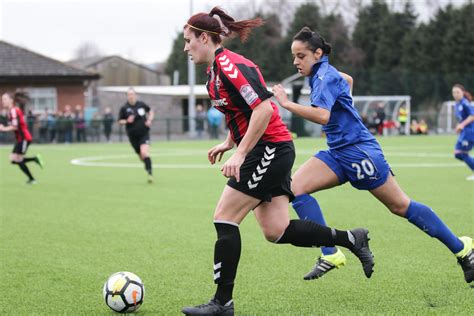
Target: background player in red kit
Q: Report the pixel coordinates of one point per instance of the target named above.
(15, 103)
(259, 171)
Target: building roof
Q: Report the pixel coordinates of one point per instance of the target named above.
(200, 91)
(183, 91)
(20, 62)
(86, 63)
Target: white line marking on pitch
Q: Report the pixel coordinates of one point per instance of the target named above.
(95, 162)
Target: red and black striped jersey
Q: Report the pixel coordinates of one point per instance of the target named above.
(236, 86)
(17, 119)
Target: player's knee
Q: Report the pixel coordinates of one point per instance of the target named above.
(223, 215)
(460, 156)
(297, 188)
(274, 233)
(399, 207)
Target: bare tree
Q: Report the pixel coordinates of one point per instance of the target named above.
(86, 50)
(284, 9)
(328, 7)
(432, 6)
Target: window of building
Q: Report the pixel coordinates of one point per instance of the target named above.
(43, 98)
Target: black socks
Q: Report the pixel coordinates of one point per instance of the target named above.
(28, 159)
(25, 169)
(226, 259)
(148, 167)
(302, 233)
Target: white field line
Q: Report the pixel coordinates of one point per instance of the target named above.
(104, 161)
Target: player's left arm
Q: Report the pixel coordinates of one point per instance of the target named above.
(150, 117)
(348, 78)
(465, 123)
(9, 128)
(14, 123)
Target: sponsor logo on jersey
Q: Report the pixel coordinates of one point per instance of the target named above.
(248, 94)
(141, 111)
(219, 102)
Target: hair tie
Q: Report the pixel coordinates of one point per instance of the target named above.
(225, 30)
(202, 30)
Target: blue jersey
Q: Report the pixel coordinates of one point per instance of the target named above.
(331, 92)
(463, 110)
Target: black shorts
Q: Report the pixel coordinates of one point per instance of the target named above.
(266, 171)
(137, 140)
(20, 148)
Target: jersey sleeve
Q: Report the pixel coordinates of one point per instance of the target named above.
(324, 92)
(246, 79)
(146, 107)
(122, 114)
(470, 109)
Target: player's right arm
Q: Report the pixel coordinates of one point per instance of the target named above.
(314, 114)
(123, 119)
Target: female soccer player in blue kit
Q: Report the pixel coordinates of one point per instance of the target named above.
(465, 128)
(353, 155)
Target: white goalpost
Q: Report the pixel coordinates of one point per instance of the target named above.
(367, 106)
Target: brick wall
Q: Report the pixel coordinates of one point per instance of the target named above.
(72, 95)
(66, 94)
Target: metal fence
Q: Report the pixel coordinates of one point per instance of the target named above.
(46, 132)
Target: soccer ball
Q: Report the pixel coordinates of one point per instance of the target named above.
(124, 292)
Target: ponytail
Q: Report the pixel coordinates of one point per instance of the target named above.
(21, 98)
(218, 23)
(242, 28)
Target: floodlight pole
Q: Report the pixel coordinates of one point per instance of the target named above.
(192, 96)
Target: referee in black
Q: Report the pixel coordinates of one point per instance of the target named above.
(137, 118)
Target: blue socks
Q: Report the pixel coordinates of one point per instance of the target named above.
(308, 208)
(418, 214)
(425, 219)
(466, 158)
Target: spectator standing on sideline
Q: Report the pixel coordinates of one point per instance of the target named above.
(200, 119)
(30, 121)
(402, 119)
(95, 127)
(80, 125)
(214, 118)
(108, 121)
(68, 121)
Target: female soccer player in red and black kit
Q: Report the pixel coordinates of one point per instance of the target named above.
(259, 171)
(15, 103)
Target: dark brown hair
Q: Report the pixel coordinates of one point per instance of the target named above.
(206, 22)
(466, 93)
(313, 39)
(20, 98)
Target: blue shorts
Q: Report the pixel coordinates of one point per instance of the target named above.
(464, 144)
(363, 164)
